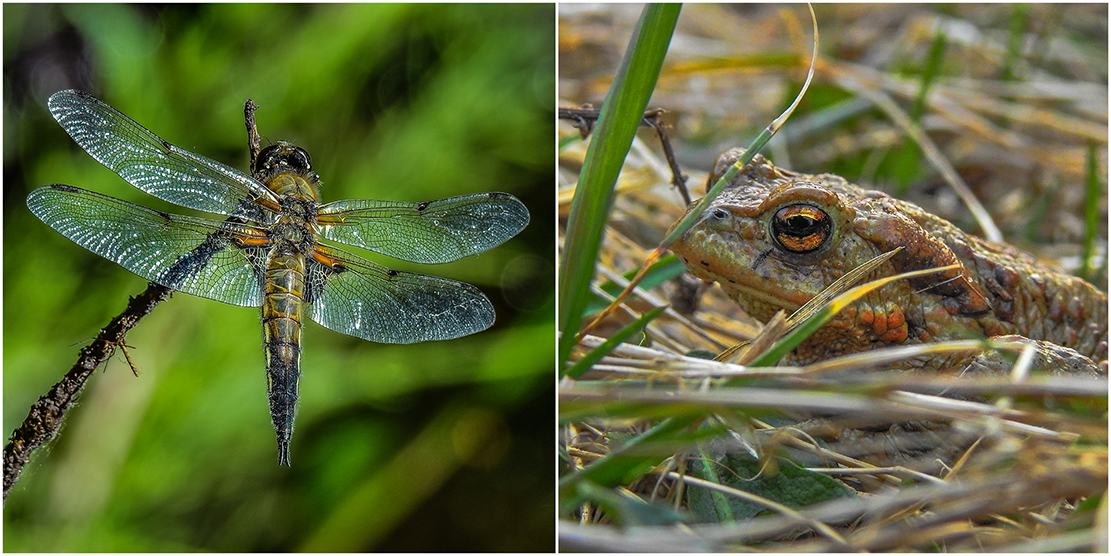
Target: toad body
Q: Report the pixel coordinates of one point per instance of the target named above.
(775, 238)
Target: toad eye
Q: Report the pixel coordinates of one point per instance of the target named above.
(801, 228)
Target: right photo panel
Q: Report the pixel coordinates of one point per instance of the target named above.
(832, 278)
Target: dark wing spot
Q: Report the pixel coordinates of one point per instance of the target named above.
(422, 206)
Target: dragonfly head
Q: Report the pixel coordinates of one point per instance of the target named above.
(280, 158)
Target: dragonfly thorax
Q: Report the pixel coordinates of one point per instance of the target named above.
(291, 233)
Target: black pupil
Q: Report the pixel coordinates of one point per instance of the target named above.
(801, 226)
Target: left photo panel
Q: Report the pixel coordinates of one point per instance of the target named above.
(279, 278)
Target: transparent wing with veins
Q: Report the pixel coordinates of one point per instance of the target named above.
(433, 232)
(354, 296)
(206, 258)
(152, 164)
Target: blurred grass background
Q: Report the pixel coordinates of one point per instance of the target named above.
(440, 446)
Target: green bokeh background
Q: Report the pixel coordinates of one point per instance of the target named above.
(432, 447)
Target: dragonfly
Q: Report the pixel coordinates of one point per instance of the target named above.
(267, 252)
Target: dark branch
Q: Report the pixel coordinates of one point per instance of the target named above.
(47, 415)
(253, 140)
(583, 120)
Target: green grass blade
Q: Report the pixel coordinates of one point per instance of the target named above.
(601, 351)
(904, 163)
(659, 272)
(1020, 15)
(929, 75)
(1092, 195)
(621, 114)
(630, 461)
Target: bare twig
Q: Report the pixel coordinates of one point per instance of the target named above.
(47, 415)
(253, 140)
(583, 120)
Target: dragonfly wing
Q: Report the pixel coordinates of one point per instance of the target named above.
(200, 257)
(433, 232)
(152, 164)
(363, 299)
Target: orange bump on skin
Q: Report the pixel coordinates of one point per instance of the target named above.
(879, 326)
(867, 316)
(896, 325)
(891, 327)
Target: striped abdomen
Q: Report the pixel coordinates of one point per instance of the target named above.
(281, 325)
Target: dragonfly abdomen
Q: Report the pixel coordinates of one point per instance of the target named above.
(281, 325)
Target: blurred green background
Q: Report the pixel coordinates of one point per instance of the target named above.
(443, 446)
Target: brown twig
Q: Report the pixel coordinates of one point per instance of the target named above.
(47, 415)
(583, 120)
(253, 140)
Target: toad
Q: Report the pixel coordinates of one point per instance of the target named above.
(774, 238)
